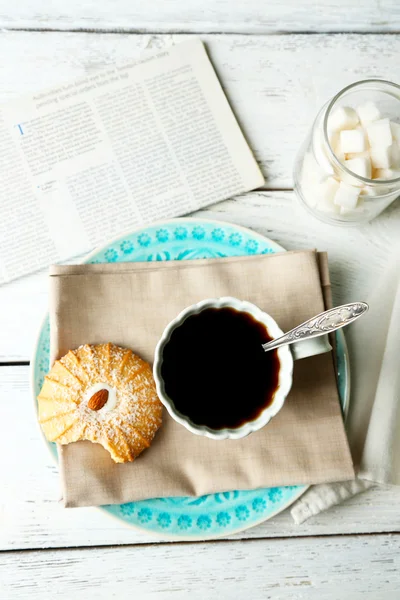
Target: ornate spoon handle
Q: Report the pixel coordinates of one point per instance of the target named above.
(325, 322)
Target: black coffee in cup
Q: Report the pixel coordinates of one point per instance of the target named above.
(215, 370)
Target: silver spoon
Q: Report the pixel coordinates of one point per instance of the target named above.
(325, 322)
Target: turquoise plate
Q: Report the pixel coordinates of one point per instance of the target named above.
(213, 515)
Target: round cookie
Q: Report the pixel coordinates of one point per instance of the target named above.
(102, 393)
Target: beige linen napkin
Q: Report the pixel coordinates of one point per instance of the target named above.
(374, 418)
(130, 305)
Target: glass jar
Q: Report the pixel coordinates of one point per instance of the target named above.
(319, 169)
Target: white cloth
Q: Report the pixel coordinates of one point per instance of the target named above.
(373, 424)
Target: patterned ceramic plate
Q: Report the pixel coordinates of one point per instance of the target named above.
(213, 515)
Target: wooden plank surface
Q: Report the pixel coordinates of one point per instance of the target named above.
(252, 16)
(32, 517)
(275, 84)
(357, 255)
(356, 568)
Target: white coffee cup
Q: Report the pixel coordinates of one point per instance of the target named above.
(286, 354)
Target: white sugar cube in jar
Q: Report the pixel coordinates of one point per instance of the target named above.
(348, 169)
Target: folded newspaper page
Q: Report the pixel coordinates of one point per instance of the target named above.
(147, 140)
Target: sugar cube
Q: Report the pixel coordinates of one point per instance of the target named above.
(394, 151)
(345, 211)
(370, 191)
(346, 195)
(333, 136)
(395, 128)
(353, 211)
(351, 155)
(359, 166)
(380, 133)
(381, 157)
(367, 113)
(353, 140)
(326, 192)
(334, 140)
(343, 117)
(386, 174)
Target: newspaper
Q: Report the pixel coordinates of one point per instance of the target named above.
(133, 143)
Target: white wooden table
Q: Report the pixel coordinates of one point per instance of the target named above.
(278, 62)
